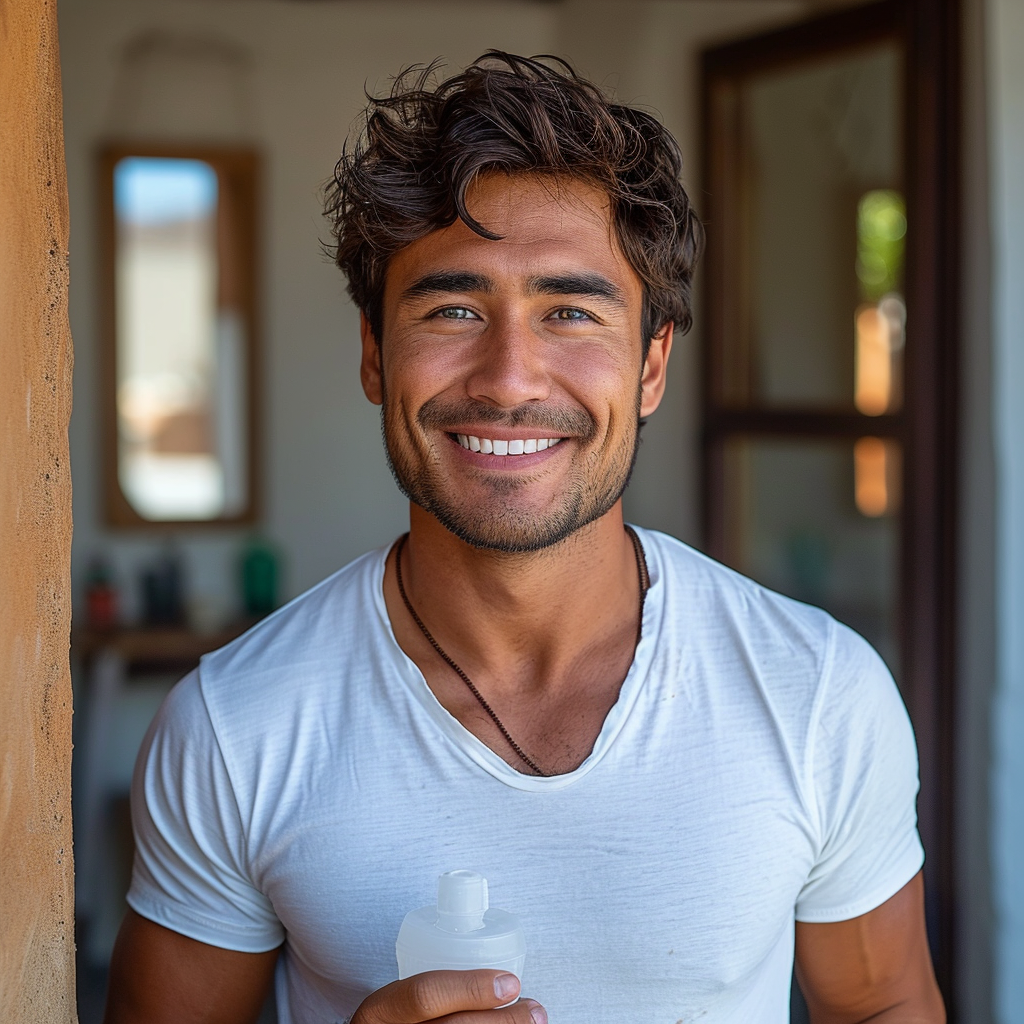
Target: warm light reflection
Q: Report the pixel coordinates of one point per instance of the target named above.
(874, 362)
(876, 476)
(879, 340)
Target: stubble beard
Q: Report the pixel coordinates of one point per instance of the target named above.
(500, 524)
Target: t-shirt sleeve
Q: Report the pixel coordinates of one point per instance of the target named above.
(862, 762)
(190, 872)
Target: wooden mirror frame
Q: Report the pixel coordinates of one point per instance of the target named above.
(929, 34)
(238, 175)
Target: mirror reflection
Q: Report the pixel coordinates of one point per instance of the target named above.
(180, 343)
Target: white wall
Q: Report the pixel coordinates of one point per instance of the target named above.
(1006, 127)
(328, 492)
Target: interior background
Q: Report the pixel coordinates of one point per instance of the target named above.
(301, 69)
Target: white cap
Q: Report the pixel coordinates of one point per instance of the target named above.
(461, 901)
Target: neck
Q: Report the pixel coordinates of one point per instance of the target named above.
(538, 609)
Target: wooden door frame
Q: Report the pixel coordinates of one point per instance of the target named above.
(928, 428)
(37, 968)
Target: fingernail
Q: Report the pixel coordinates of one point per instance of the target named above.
(506, 986)
(537, 1013)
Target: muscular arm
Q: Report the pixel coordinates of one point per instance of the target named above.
(875, 967)
(160, 977)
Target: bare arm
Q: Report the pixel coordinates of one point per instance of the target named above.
(875, 967)
(160, 977)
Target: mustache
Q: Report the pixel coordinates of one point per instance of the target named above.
(447, 415)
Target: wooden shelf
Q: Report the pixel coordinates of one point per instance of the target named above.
(169, 645)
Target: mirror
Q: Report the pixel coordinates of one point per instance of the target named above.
(180, 343)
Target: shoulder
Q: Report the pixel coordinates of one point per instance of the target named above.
(730, 612)
(292, 661)
(766, 656)
(310, 628)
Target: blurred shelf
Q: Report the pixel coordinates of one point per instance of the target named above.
(155, 645)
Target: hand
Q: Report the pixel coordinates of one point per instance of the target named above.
(457, 997)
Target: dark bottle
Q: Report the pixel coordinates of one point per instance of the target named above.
(100, 596)
(259, 578)
(163, 600)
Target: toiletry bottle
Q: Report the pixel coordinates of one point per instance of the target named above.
(461, 933)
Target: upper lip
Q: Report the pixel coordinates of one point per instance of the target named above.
(499, 434)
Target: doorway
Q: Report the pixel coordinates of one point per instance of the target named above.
(829, 432)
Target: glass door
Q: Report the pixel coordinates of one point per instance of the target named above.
(828, 422)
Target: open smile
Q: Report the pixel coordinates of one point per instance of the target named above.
(498, 446)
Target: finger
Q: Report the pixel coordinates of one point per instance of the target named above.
(525, 1011)
(434, 994)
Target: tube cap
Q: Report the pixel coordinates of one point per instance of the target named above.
(462, 894)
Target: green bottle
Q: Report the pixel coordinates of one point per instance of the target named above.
(259, 577)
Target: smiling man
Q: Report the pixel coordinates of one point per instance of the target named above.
(678, 780)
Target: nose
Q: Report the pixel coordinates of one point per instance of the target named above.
(509, 368)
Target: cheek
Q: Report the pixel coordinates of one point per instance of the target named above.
(421, 369)
(599, 377)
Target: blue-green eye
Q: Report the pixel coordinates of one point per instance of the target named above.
(456, 313)
(569, 313)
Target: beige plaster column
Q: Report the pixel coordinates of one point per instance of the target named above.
(37, 973)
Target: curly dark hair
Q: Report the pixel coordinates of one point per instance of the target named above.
(408, 172)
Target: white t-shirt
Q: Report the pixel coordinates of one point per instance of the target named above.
(304, 786)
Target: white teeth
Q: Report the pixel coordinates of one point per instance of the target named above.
(520, 446)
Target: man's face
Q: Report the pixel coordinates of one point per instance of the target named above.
(511, 371)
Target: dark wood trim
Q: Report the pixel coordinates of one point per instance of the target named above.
(802, 423)
(927, 424)
(842, 30)
(242, 165)
(933, 289)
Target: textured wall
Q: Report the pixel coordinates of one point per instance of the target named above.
(36, 901)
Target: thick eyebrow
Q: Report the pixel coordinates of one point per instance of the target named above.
(448, 281)
(593, 285)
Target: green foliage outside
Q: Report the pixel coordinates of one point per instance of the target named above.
(881, 234)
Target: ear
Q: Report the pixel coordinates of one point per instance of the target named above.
(369, 367)
(652, 382)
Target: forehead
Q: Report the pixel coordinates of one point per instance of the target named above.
(547, 224)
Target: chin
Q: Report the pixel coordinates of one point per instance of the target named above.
(501, 526)
(511, 532)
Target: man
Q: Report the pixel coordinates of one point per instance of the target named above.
(671, 775)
